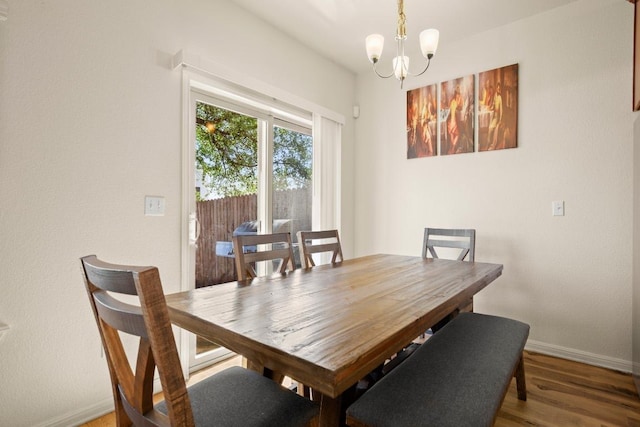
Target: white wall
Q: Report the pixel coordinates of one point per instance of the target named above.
(90, 123)
(568, 277)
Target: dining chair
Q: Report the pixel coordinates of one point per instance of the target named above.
(463, 239)
(325, 241)
(313, 242)
(452, 240)
(235, 396)
(247, 251)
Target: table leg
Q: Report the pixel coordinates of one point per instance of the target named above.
(252, 365)
(330, 411)
(277, 377)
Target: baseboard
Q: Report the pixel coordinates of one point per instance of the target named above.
(89, 413)
(83, 416)
(579, 356)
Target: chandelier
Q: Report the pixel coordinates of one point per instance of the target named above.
(428, 45)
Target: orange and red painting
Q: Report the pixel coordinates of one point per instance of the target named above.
(421, 122)
(457, 128)
(498, 109)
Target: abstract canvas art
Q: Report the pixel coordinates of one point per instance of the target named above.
(457, 129)
(498, 109)
(422, 122)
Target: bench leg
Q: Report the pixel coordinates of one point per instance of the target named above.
(521, 383)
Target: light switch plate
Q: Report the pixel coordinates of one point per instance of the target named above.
(557, 208)
(154, 205)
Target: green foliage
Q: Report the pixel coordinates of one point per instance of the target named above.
(227, 153)
(292, 156)
(226, 150)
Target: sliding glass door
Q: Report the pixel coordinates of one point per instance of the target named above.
(252, 172)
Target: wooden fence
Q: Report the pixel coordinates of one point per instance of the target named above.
(218, 218)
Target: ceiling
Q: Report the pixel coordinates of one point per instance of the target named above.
(337, 28)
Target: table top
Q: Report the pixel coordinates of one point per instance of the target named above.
(330, 325)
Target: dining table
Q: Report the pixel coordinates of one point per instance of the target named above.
(329, 326)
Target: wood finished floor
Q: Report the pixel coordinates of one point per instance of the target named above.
(566, 393)
(559, 393)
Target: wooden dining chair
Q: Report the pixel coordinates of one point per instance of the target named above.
(313, 242)
(463, 239)
(247, 252)
(450, 239)
(455, 239)
(235, 396)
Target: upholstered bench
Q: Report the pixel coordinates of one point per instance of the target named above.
(458, 377)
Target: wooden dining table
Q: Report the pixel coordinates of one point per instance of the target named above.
(327, 327)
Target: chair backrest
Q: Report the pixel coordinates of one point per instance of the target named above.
(325, 241)
(463, 239)
(133, 390)
(247, 251)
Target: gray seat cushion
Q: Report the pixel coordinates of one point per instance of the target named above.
(457, 378)
(239, 397)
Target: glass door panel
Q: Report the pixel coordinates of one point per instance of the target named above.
(226, 157)
(292, 185)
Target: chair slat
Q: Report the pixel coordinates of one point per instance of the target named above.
(460, 244)
(119, 315)
(326, 247)
(266, 255)
(111, 277)
(456, 232)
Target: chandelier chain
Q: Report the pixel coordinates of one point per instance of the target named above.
(402, 25)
